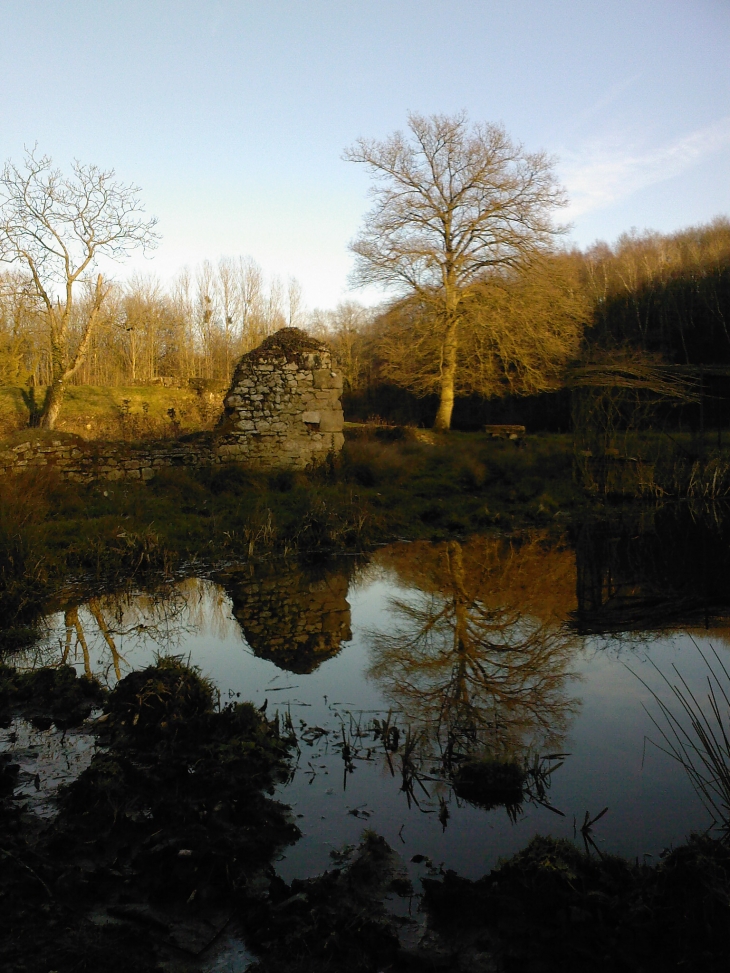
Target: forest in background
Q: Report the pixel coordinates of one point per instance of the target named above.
(662, 297)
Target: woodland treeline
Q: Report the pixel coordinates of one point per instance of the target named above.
(195, 328)
(663, 296)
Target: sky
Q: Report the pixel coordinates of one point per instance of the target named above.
(232, 115)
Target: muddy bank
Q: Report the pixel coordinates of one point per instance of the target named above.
(163, 846)
(555, 908)
(156, 843)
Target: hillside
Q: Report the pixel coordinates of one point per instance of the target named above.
(124, 412)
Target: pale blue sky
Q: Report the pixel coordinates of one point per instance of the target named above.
(232, 116)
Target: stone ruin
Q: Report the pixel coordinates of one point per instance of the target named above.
(282, 411)
(283, 408)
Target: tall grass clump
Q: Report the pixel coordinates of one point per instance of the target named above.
(23, 506)
(696, 733)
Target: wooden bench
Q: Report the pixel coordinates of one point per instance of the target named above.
(505, 431)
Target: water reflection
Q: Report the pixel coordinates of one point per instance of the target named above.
(295, 615)
(478, 661)
(470, 653)
(659, 568)
(107, 634)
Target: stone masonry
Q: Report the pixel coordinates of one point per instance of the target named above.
(283, 407)
(282, 411)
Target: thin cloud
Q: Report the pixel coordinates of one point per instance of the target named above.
(608, 171)
(609, 98)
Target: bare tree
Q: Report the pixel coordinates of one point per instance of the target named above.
(517, 333)
(206, 314)
(183, 304)
(19, 313)
(250, 289)
(454, 205)
(275, 315)
(57, 226)
(295, 303)
(228, 299)
(144, 319)
(347, 330)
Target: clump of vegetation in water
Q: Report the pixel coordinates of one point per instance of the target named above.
(48, 696)
(337, 921)
(554, 908)
(490, 783)
(161, 835)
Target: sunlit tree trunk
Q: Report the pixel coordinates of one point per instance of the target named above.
(450, 348)
(61, 371)
(448, 377)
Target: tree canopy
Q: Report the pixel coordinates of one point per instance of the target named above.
(57, 226)
(455, 207)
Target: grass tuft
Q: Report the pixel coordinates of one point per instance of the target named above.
(697, 735)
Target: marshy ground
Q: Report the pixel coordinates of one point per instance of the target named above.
(166, 839)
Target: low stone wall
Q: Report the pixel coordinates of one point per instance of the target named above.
(282, 411)
(81, 461)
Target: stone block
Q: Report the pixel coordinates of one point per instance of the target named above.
(311, 418)
(327, 378)
(332, 421)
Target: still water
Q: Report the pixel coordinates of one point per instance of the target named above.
(393, 669)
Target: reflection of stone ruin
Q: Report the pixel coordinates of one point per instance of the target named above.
(283, 407)
(290, 616)
(282, 411)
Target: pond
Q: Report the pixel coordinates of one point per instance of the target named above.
(541, 652)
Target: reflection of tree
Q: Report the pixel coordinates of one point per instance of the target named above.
(470, 663)
(107, 631)
(667, 568)
(74, 627)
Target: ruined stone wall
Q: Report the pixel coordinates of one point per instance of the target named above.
(282, 411)
(283, 408)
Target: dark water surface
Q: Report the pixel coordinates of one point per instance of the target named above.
(395, 669)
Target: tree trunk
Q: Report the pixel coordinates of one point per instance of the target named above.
(52, 404)
(60, 372)
(448, 378)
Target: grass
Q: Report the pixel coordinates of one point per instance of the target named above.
(125, 412)
(554, 908)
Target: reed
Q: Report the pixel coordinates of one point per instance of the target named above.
(696, 733)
